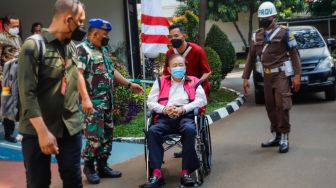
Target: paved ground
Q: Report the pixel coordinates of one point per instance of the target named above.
(238, 160)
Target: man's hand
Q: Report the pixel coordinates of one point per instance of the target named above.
(296, 83)
(178, 111)
(136, 88)
(87, 107)
(170, 111)
(246, 86)
(48, 143)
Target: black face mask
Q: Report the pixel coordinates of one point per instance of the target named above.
(77, 35)
(265, 23)
(105, 41)
(176, 43)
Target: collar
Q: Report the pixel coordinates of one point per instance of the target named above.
(48, 36)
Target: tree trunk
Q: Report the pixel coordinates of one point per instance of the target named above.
(251, 21)
(202, 16)
(240, 33)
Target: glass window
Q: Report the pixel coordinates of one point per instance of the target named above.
(308, 38)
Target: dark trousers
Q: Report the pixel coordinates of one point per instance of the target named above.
(278, 101)
(9, 126)
(37, 164)
(185, 126)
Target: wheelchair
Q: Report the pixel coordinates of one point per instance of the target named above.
(202, 144)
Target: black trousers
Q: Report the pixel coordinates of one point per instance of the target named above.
(185, 126)
(37, 164)
(9, 126)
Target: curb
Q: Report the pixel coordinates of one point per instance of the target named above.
(214, 116)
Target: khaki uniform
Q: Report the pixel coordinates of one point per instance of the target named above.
(277, 89)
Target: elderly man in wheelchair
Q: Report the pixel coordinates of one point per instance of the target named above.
(173, 99)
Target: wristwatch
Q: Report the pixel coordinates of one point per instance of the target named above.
(129, 85)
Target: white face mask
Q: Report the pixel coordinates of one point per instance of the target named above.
(14, 31)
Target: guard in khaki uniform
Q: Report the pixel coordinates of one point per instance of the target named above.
(275, 47)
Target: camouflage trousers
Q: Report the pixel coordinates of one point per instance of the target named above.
(98, 130)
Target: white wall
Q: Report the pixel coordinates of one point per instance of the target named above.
(231, 32)
(30, 11)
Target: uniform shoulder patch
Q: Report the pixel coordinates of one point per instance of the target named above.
(283, 27)
(258, 30)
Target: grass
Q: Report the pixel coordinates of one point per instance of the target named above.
(135, 128)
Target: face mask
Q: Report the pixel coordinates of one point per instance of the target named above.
(178, 72)
(176, 43)
(77, 35)
(105, 41)
(14, 31)
(265, 23)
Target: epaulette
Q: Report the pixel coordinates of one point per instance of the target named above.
(283, 27)
(258, 30)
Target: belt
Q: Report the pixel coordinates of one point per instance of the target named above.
(274, 70)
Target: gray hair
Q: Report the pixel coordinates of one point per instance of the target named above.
(65, 6)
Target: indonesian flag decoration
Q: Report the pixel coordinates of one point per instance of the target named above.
(154, 28)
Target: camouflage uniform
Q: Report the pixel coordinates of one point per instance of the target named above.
(98, 75)
(9, 48)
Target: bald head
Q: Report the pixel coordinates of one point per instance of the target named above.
(67, 6)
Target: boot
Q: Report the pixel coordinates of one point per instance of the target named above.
(273, 142)
(284, 144)
(104, 171)
(90, 173)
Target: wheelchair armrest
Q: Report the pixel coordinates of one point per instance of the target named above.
(196, 111)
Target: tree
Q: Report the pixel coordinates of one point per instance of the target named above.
(227, 10)
(321, 7)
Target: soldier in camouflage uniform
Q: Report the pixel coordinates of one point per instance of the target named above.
(10, 45)
(97, 69)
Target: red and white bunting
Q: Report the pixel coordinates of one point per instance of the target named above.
(154, 27)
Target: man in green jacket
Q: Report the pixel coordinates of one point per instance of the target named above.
(49, 117)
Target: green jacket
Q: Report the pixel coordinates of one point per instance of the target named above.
(40, 87)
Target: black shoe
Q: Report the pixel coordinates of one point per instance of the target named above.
(106, 172)
(10, 139)
(178, 154)
(188, 181)
(90, 173)
(274, 142)
(154, 182)
(283, 148)
(284, 144)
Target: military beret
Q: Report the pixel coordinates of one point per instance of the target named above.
(100, 24)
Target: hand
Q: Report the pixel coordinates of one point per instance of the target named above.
(296, 83)
(246, 86)
(178, 111)
(170, 111)
(48, 143)
(136, 88)
(87, 107)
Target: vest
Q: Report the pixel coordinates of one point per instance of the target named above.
(190, 85)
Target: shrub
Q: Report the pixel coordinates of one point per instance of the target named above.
(190, 21)
(334, 54)
(218, 40)
(126, 105)
(215, 62)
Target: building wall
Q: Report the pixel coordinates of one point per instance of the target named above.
(231, 32)
(41, 10)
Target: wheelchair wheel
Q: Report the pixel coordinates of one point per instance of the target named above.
(207, 144)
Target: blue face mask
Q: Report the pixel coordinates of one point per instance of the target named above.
(178, 72)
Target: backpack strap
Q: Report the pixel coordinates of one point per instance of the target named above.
(40, 45)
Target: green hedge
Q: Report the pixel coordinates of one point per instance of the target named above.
(215, 62)
(218, 40)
